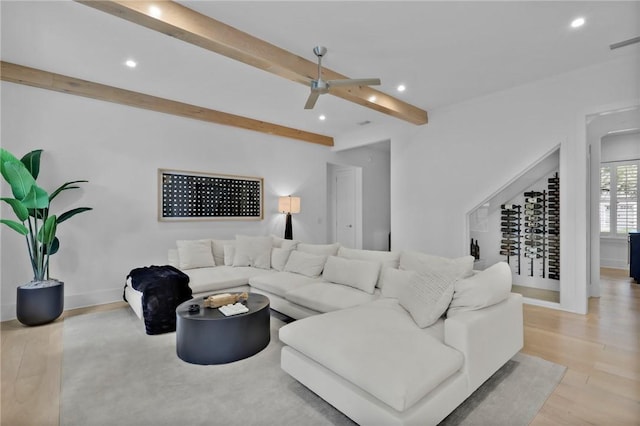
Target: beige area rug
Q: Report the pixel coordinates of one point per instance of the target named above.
(115, 374)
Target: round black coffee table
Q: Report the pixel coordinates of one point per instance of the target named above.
(208, 337)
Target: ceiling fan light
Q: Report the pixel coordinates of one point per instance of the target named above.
(322, 117)
(401, 88)
(131, 63)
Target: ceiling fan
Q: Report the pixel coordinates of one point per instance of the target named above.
(320, 86)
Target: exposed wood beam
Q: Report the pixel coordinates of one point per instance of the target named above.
(61, 83)
(192, 27)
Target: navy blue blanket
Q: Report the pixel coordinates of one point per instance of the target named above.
(163, 289)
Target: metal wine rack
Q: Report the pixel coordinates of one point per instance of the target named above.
(510, 227)
(532, 231)
(535, 228)
(554, 227)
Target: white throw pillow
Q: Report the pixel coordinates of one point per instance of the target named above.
(285, 244)
(486, 288)
(229, 254)
(253, 251)
(427, 296)
(360, 274)
(218, 249)
(307, 264)
(458, 268)
(279, 257)
(323, 249)
(195, 254)
(392, 280)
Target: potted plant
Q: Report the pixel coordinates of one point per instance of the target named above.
(42, 300)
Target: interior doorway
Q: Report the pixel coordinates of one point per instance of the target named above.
(606, 129)
(345, 205)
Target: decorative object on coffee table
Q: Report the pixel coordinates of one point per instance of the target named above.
(208, 337)
(217, 300)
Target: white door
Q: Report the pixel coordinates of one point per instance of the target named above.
(345, 190)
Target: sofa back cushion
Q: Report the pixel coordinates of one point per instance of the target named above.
(229, 254)
(483, 289)
(284, 244)
(195, 254)
(218, 250)
(392, 280)
(360, 274)
(427, 296)
(386, 259)
(253, 251)
(457, 268)
(173, 258)
(321, 249)
(307, 264)
(279, 257)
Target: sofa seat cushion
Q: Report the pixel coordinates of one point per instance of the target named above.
(378, 348)
(327, 297)
(220, 277)
(279, 283)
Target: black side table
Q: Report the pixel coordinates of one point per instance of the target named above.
(208, 337)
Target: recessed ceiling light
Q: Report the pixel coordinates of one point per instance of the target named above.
(372, 98)
(578, 22)
(131, 63)
(155, 11)
(401, 88)
(322, 117)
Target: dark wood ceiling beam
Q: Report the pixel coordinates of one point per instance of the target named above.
(192, 27)
(61, 83)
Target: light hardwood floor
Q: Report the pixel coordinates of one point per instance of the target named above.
(601, 350)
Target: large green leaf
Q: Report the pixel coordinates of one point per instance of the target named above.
(32, 162)
(37, 198)
(18, 208)
(47, 233)
(16, 226)
(6, 156)
(69, 214)
(18, 177)
(67, 185)
(52, 248)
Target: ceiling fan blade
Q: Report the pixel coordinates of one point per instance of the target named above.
(624, 43)
(354, 82)
(311, 100)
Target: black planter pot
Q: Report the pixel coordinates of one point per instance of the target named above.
(40, 305)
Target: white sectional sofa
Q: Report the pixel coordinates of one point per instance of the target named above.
(385, 337)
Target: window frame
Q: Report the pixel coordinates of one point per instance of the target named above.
(613, 198)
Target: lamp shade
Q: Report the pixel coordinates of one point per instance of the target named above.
(289, 204)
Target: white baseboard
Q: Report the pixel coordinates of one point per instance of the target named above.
(536, 282)
(72, 301)
(614, 264)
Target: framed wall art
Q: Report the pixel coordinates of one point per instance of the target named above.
(184, 195)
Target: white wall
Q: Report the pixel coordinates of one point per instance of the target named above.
(620, 147)
(470, 150)
(119, 149)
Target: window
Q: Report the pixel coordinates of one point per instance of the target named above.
(619, 198)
